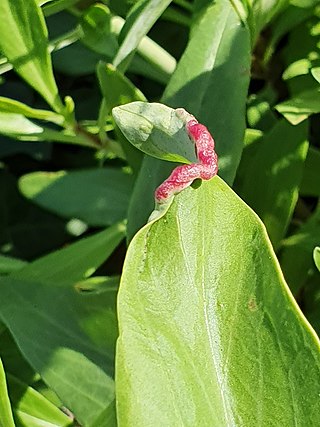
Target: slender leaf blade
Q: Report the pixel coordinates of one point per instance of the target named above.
(140, 20)
(6, 417)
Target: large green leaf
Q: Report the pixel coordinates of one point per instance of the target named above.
(66, 335)
(209, 332)
(23, 40)
(276, 169)
(98, 197)
(6, 418)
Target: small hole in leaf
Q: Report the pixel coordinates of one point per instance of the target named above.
(196, 183)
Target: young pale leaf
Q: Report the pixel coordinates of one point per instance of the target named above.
(32, 409)
(24, 41)
(140, 20)
(205, 342)
(316, 256)
(106, 193)
(156, 130)
(66, 335)
(6, 417)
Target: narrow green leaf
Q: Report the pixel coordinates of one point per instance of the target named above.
(66, 335)
(316, 256)
(204, 342)
(6, 418)
(276, 169)
(139, 21)
(156, 130)
(32, 409)
(19, 127)
(76, 261)
(106, 193)
(11, 106)
(24, 41)
(298, 109)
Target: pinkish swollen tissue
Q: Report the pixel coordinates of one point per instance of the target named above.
(183, 176)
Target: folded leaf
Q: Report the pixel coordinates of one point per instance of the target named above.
(156, 130)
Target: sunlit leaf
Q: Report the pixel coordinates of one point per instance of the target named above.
(209, 332)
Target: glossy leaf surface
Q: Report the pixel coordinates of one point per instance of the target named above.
(209, 342)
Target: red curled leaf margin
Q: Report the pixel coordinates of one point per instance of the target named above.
(183, 176)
